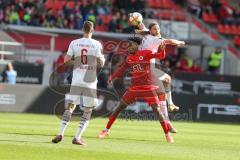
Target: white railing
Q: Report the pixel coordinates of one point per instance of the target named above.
(3, 45)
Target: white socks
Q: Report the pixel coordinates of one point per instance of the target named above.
(164, 111)
(63, 126)
(83, 124)
(169, 97)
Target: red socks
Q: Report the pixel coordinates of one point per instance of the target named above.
(169, 125)
(110, 121)
(164, 125)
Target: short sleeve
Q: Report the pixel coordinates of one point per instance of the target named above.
(99, 52)
(70, 51)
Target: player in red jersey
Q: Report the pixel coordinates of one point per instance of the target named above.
(142, 88)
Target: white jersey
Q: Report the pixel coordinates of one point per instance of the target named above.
(150, 42)
(85, 51)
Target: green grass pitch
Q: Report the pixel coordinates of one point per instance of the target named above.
(28, 136)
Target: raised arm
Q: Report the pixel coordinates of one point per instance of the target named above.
(174, 42)
(119, 72)
(140, 28)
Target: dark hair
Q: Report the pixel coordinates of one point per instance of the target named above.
(137, 40)
(88, 26)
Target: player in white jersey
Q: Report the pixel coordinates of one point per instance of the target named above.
(152, 40)
(88, 56)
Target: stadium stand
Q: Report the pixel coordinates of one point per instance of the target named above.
(222, 15)
(68, 14)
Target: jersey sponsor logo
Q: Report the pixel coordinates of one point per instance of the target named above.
(140, 57)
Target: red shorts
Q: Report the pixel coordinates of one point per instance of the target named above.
(150, 95)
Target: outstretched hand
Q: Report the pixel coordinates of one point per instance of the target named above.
(181, 44)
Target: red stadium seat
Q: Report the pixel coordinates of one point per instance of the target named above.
(164, 15)
(234, 30)
(152, 3)
(101, 28)
(71, 4)
(106, 19)
(166, 4)
(238, 29)
(180, 17)
(177, 8)
(54, 4)
(224, 2)
(213, 18)
(205, 17)
(227, 29)
(220, 28)
(210, 18)
(236, 40)
(224, 29)
(158, 4)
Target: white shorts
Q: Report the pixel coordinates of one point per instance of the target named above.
(159, 76)
(88, 95)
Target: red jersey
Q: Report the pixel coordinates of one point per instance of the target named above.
(140, 69)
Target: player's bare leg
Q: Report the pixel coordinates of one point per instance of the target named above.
(164, 123)
(82, 126)
(65, 120)
(167, 85)
(121, 106)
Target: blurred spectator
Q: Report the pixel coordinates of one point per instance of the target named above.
(60, 69)
(10, 75)
(194, 6)
(112, 26)
(79, 22)
(130, 5)
(185, 64)
(214, 61)
(13, 16)
(236, 15)
(196, 69)
(182, 66)
(91, 16)
(225, 14)
(71, 15)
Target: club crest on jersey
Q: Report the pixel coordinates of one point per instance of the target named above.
(140, 57)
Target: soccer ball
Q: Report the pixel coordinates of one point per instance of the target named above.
(135, 18)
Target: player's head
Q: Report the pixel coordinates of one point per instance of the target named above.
(88, 27)
(9, 66)
(134, 43)
(218, 50)
(154, 29)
